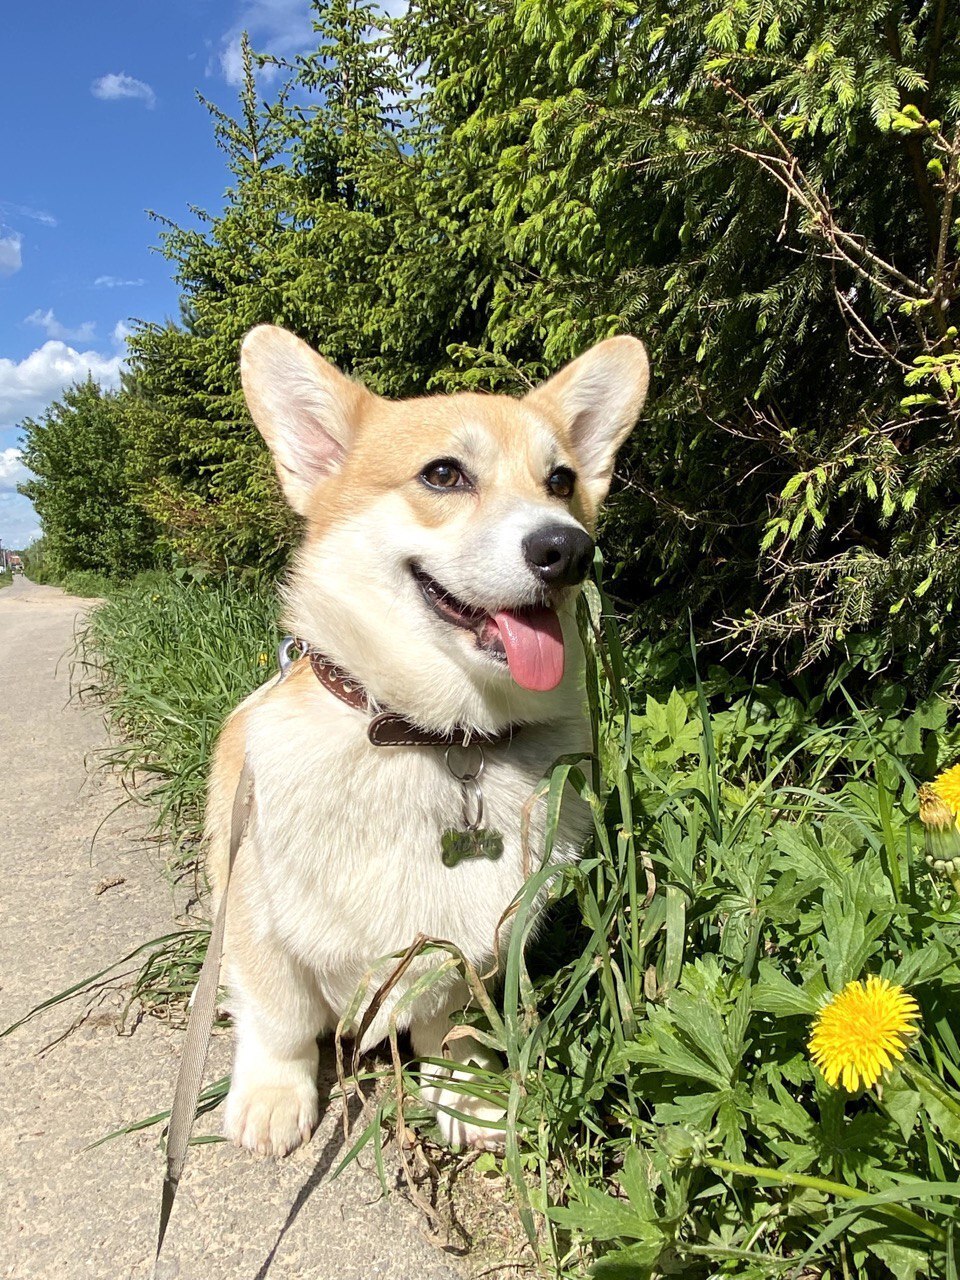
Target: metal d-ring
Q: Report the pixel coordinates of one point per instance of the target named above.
(466, 774)
(288, 651)
(469, 778)
(466, 786)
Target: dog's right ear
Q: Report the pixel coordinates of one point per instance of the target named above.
(304, 408)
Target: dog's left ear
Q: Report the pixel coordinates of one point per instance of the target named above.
(598, 397)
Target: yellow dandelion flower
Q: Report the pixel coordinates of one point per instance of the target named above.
(947, 787)
(941, 832)
(261, 659)
(862, 1032)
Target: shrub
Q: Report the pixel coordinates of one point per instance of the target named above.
(767, 195)
(83, 488)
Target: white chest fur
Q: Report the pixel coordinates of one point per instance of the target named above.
(346, 839)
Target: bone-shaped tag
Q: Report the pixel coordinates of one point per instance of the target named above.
(478, 842)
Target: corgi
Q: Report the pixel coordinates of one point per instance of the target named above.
(445, 541)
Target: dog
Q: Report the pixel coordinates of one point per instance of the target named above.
(446, 539)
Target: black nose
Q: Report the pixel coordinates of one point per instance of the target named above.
(559, 554)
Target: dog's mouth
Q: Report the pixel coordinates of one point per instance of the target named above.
(529, 639)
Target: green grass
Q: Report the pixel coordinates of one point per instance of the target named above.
(84, 582)
(170, 656)
(755, 850)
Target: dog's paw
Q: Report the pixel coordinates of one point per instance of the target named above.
(482, 1124)
(272, 1120)
(478, 1131)
(457, 1133)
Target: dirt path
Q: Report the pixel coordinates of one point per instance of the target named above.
(70, 1213)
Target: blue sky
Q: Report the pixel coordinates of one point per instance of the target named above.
(102, 124)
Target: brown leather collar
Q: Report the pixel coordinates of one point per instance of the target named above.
(387, 729)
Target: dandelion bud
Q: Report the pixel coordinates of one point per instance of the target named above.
(681, 1146)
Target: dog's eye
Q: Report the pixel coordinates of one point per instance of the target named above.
(445, 473)
(561, 482)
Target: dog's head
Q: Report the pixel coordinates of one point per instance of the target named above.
(446, 537)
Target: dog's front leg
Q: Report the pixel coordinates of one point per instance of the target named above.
(273, 1104)
(467, 1052)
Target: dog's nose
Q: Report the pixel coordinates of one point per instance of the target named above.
(559, 554)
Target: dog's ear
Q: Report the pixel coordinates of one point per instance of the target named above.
(304, 408)
(598, 398)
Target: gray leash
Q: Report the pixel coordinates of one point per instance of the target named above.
(200, 1022)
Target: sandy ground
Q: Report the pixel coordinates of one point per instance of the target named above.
(69, 1212)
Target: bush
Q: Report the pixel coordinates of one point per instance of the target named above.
(83, 489)
(766, 195)
(35, 562)
(84, 582)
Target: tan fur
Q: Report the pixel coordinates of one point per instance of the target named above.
(393, 440)
(340, 867)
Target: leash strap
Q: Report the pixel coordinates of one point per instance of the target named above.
(200, 1022)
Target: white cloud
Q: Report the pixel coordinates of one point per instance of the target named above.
(28, 386)
(116, 282)
(25, 211)
(52, 327)
(121, 332)
(10, 258)
(12, 470)
(119, 85)
(281, 27)
(26, 389)
(231, 62)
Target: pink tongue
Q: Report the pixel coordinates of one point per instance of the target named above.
(534, 644)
